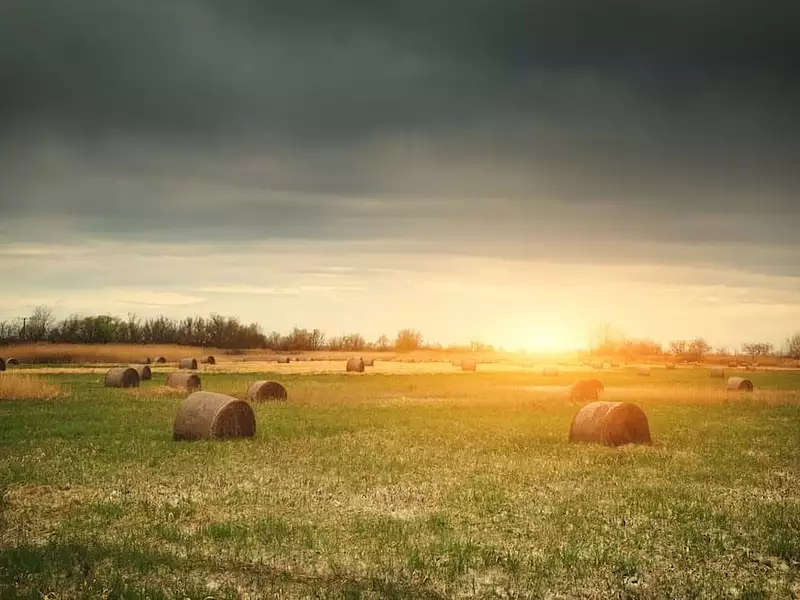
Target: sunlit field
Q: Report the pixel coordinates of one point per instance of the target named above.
(402, 482)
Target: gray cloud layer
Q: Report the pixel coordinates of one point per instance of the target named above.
(568, 128)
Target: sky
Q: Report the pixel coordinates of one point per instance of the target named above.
(514, 172)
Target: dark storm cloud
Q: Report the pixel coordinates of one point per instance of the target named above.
(584, 122)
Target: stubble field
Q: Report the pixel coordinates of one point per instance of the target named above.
(407, 484)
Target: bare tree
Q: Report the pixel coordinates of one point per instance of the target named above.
(39, 324)
(408, 339)
(793, 346)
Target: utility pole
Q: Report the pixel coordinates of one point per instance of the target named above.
(24, 321)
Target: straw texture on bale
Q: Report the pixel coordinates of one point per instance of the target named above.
(211, 416)
(2, 364)
(644, 371)
(144, 372)
(183, 381)
(586, 389)
(469, 364)
(122, 377)
(12, 362)
(266, 390)
(611, 424)
(717, 373)
(355, 365)
(739, 383)
(550, 371)
(188, 363)
(369, 362)
(160, 360)
(210, 360)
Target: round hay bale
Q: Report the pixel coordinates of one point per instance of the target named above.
(586, 389)
(160, 360)
(184, 381)
(669, 366)
(717, 373)
(469, 364)
(739, 384)
(266, 390)
(732, 364)
(355, 365)
(211, 416)
(210, 360)
(610, 424)
(11, 362)
(369, 363)
(550, 371)
(122, 377)
(144, 372)
(643, 371)
(284, 360)
(188, 363)
(614, 364)
(2, 364)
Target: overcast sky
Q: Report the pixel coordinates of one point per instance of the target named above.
(514, 171)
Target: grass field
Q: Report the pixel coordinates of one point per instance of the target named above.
(410, 485)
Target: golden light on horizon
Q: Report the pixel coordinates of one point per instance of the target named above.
(544, 339)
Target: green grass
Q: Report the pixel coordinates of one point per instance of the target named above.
(403, 486)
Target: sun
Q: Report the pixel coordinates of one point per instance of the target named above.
(548, 339)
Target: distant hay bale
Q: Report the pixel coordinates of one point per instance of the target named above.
(211, 416)
(597, 365)
(732, 364)
(369, 363)
(586, 389)
(355, 365)
(550, 371)
(669, 366)
(183, 381)
(11, 362)
(614, 364)
(283, 360)
(266, 390)
(188, 363)
(611, 424)
(144, 372)
(739, 384)
(122, 377)
(643, 371)
(210, 360)
(717, 373)
(469, 364)
(160, 360)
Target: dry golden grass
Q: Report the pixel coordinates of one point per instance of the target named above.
(15, 386)
(101, 353)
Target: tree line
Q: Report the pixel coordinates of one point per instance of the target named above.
(215, 331)
(604, 340)
(219, 331)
